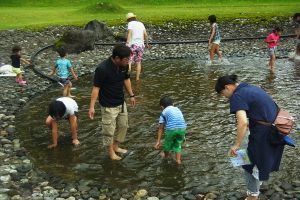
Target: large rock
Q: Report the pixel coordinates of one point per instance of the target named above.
(76, 41)
(100, 29)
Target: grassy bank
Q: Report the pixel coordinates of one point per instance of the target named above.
(42, 13)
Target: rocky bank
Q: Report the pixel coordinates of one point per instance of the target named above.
(20, 179)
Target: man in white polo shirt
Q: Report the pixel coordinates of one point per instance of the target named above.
(136, 37)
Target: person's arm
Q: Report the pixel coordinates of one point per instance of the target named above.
(73, 73)
(24, 61)
(146, 39)
(53, 70)
(242, 126)
(297, 32)
(127, 84)
(73, 124)
(213, 30)
(94, 96)
(128, 37)
(159, 135)
(270, 39)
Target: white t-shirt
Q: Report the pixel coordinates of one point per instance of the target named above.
(137, 34)
(71, 105)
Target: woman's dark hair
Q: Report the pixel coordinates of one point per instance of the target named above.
(122, 51)
(212, 19)
(225, 80)
(277, 29)
(57, 109)
(62, 52)
(16, 48)
(165, 102)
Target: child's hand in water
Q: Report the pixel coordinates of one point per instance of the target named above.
(157, 145)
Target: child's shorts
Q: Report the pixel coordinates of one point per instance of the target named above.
(173, 140)
(16, 70)
(216, 42)
(137, 53)
(272, 51)
(64, 81)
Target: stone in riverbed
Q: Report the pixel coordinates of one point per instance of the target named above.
(141, 193)
(76, 41)
(24, 168)
(4, 197)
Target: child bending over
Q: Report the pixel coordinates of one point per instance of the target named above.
(172, 123)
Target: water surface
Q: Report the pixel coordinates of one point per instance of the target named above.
(210, 130)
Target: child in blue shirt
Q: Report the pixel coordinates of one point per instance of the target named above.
(171, 122)
(64, 68)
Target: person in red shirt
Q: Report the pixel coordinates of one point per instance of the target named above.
(272, 41)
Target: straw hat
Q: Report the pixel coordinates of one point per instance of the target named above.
(130, 15)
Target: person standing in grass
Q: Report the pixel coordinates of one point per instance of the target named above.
(214, 39)
(172, 124)
(272, 40)
(136, 37)
(16, 61)
(64, 68)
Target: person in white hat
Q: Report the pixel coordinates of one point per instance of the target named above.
(136, 37)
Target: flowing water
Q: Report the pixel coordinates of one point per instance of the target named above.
(210, 129)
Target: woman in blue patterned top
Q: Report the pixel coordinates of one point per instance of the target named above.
(171, 121)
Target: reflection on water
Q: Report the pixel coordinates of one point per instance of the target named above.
(209, 135)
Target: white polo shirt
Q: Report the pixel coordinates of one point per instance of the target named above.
(71, 105)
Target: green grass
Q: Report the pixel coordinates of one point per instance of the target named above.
(42, 13)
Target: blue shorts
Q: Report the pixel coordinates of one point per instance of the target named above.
(272, 51)
(64, 81)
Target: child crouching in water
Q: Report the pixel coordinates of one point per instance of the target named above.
(272, 41)
(171, 121)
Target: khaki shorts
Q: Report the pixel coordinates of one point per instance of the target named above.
(114, 124)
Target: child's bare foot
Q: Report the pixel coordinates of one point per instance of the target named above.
(178, 162)
(52, 146)
(75, 142)
(120, 150)
(71, 96)
(115, 157)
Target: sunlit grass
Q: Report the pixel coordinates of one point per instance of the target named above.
(42, 13)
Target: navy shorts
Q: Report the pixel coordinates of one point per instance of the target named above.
(64, 81)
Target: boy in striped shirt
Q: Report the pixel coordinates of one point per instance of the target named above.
(171, 121)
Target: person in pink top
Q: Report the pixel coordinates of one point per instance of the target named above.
(272, 41)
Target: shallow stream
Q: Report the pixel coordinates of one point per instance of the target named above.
(209, 135)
